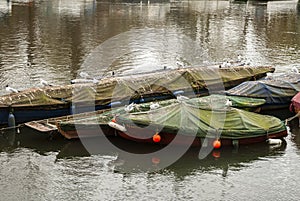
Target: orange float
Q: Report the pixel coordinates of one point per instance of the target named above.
(217, 144)
(156, 138)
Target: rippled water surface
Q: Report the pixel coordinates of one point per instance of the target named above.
(55, 40)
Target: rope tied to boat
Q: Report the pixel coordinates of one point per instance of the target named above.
(291, 118)
(11, 128)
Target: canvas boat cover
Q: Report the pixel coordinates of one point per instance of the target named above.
(216, 100)
(279, 90)
(197, 116)
(191, 118)
(136, 86)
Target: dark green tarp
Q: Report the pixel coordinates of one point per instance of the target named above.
(191, 119)
(197, 116)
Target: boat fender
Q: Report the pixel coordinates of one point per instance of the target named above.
(117, 126)
(274, 141)
(11, 119)
(115, 103)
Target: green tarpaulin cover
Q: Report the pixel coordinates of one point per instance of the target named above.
(136, 86)
(197, 116)
(191, 118)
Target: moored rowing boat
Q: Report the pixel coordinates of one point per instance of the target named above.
(183, 123)
(54, 101)
(179, 121)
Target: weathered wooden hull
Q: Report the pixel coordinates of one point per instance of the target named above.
(87, 131)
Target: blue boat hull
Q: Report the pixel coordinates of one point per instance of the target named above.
(32, 113)
(22, 116)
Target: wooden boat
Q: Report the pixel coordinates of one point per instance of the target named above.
(196, 114)
(49, 125)
(200, 125)
(278, 92)
(54, 101)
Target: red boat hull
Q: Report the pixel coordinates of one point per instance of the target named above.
(87, 132)
(145, 136)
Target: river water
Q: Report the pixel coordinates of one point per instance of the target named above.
(57, 39)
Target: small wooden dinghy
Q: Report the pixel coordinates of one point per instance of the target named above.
(42, 126)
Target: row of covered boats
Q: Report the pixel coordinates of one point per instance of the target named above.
(163, 108)
(54, 101)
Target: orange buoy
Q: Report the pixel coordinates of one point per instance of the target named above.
(217, 144)
(156, 138)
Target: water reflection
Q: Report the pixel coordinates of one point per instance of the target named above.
(125, 54)
(51, 39)
(225, 159)
(282, 6)
(295, 132)
(73, 8)
(5, 8)
(23, 137)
